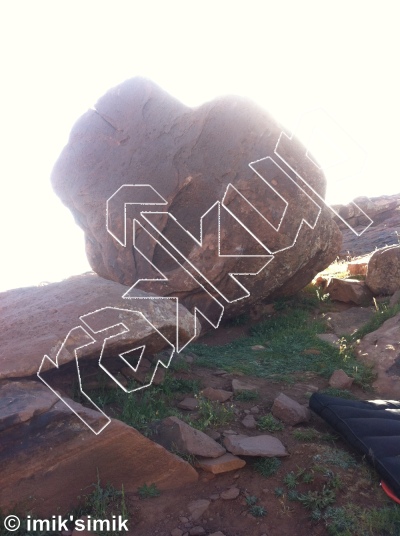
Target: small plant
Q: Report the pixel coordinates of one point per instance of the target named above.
(317, 500)
(316, 515)
(245, 396)
(307, 434)
(267, 466)
(212, 414)
(290, 480)
(293, 495)
(279, 492)
(147, 492)
(269, 423)
(258, 511)
(336, 457)
(251, 500)
(307, 478)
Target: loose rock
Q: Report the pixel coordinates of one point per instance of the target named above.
(223, 464)
(340, 380)
(263, 445)
(289, 411)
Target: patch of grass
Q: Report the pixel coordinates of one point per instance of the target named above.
(251, 500)
(246, 396)
(269, 423)
(148, 492)
(258, 511)
(293, 495)
(211, 414)
(172, 385)
(317, 500)
(286, 336)
(352, 520)
(290, 480)
(306, 434)
(334, 456)
(383, 313)
(307, 478)
(340, 393)
(267, 466)
(279, 492)
(239, 320)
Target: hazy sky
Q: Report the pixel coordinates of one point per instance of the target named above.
(58, 57)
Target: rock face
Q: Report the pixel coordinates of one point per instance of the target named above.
(348, 291)
(181, 162)
(383, 274)
(36, 320)
(175, 434)
(384, 212)
(381, 348)
(48, 457)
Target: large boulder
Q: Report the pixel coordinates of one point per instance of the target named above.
(49, 457)
(384, 211)
(140, 150)
(383, 274)
(35, 321)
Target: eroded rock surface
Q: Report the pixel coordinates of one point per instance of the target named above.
(183, 161)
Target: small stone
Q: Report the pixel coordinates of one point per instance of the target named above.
(219, 533)
(229, 432)
(340, 380)
(214, 497)
(197, 508)
(197, 531)
(239, 386)
(176, 532)
(258, 347)
(255, 409)
(216, 395)
(183, 519)
(225, 463)
(190, 404)
(230, 494)
(263, 445)
(289, 411)
(246, 411)
(249, 422)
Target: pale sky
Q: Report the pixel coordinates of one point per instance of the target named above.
(58, 57)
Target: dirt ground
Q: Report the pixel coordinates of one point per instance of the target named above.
(359, 484)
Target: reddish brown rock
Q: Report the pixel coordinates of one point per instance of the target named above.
(263, 445)
(138, 134)
(35, 321)
(197, 508)
(225, 463)
(216, 395)
(385, 214)
(395, 299)
(249, 422)
(381, 350)
(383, 275)
(348, 291)
(289, 411)
(175, 434)
(230, 493)
(340, 380)
(49, 457)
(358, 266)
(189, 403)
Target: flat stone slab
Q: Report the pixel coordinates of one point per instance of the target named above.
(225, 463)
(263, 445)
(174, 434)
(349, 321)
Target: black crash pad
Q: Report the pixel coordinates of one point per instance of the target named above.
(371, 427)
